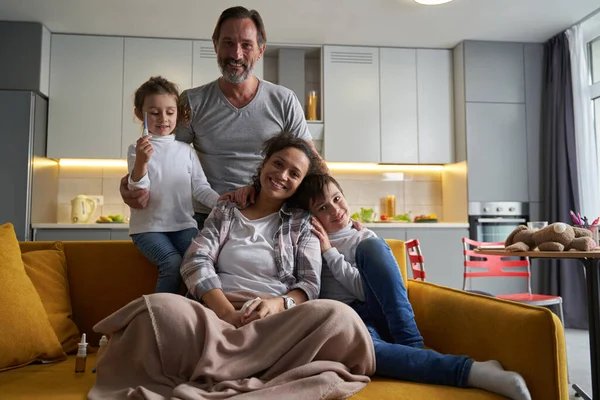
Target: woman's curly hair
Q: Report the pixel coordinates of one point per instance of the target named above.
(280, 142)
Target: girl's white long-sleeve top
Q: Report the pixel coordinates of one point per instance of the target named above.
(174, 176)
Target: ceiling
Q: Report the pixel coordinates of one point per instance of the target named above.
(356, 22)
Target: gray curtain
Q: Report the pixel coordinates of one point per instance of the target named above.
(565, 278)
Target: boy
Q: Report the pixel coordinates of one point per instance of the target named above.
(361, 271)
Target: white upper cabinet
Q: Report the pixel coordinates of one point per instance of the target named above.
(411, 122)
(351, 104)
(398, 86)
(86, 95)
(144, 58)
(435, 112)
(205, 64)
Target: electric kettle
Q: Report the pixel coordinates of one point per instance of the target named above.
(82, 209)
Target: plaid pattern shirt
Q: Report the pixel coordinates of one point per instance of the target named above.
(297, 252)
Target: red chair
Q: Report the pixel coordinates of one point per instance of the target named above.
(416, 258)
(477, 266)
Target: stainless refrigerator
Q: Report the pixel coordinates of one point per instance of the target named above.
(28, 180)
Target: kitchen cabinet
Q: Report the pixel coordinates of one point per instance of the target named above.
(399, 119)
(414, 113)
(144, 58)
(42, 235)
(497, 154)
(494, 72)
(435, 113)
(86, 95)
(351, 104)
(442, 251)
(498, 99)
(443, 254)
(390, 233)
(534, 67)
(119, 234)
(205, 68)
(78, 234)
(298, 68)
(25, 55)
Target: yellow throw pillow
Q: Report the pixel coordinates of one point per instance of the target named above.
(25, 331)
(47, 270)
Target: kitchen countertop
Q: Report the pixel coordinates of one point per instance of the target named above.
(403, 225)
(410, 225)
(114, 225)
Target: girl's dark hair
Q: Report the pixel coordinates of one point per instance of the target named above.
(312, 189)
(240, 12)
(280, 142)
(159, 85)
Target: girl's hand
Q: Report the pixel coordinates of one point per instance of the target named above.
(143, 149)
(261, 309)
(321, 234)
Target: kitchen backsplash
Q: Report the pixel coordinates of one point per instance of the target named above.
(90, 181)
(420, 192)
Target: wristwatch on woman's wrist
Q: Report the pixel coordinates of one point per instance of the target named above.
(288, 302)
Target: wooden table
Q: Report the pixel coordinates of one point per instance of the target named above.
(591, 261)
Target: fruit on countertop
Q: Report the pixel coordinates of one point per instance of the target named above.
(383, 217)
(426, 218)
(119, 218)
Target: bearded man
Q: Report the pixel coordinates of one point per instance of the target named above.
(233, 116)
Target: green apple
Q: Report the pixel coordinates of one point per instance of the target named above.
(118, 218)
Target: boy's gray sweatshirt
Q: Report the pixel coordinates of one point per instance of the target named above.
(340, 279)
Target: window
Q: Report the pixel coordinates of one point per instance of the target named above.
(595, 61)
(597, 115)
(591, 36)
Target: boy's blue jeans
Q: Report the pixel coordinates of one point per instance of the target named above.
(165, 250)
(390, 320)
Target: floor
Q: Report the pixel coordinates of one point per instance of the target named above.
(578, 355)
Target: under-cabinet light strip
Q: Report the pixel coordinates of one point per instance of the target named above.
(91, 162)
(334, 166)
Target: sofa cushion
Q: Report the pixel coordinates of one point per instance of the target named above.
(27, 335)
(390, 389)
(47, 269)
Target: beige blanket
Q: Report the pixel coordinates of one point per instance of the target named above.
(166, 346)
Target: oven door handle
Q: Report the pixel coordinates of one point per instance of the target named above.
(501, 220)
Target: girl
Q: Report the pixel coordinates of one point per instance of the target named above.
(170, 170)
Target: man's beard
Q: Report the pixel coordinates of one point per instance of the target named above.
(232, 76)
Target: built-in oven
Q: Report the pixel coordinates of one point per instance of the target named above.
(494, 221)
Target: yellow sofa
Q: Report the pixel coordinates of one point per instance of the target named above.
(106, 275)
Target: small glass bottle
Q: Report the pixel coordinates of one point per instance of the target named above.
(311, 106)
(81, 355)
(102, 346)
(390, 203)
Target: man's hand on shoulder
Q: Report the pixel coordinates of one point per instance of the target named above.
(133, 198)
(244, 196)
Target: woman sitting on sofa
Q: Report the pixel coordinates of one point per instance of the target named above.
(284, 268)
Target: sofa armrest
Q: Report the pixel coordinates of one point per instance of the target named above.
(526, 339)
